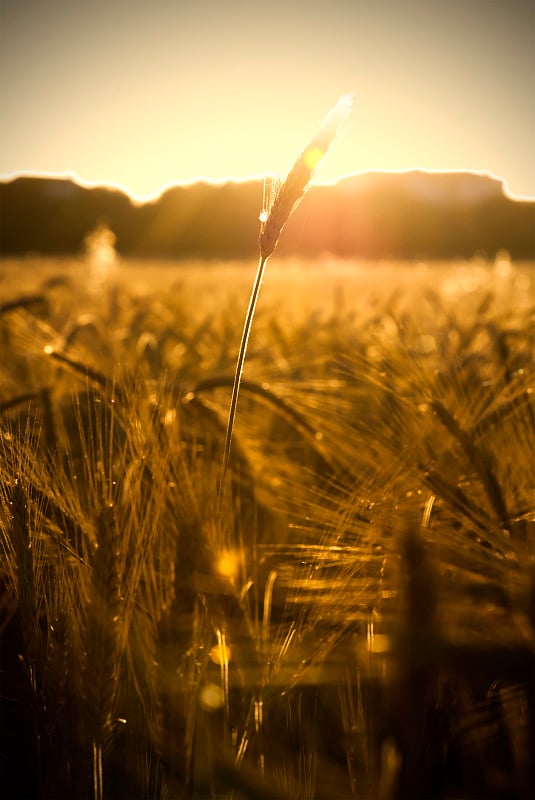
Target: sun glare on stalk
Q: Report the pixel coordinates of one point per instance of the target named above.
(313, 157)
(290, 193)
(282, 202)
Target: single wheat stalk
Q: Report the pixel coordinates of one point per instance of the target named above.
(283, 202)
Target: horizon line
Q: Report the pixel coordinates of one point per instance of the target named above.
(140, 199)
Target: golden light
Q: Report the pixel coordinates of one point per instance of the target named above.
(228, 564)
(170, 416)
(312, 157)
(211, 697)
(220, 653)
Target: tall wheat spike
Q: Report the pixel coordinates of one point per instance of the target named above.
(284, 200)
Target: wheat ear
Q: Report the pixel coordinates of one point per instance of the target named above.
(283, 202)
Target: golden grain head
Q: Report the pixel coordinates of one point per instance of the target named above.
(292, 190)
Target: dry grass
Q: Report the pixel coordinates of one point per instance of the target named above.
(357, 621)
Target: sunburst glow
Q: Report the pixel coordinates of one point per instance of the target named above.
(168, 92)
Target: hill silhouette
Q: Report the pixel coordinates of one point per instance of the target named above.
(372, 215)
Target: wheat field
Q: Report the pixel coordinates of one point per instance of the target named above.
(357, 619)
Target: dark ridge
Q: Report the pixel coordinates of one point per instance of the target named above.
(373, 215)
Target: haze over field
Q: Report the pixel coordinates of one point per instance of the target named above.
(147, 94)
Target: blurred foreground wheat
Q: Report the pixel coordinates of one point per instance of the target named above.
(354, 618)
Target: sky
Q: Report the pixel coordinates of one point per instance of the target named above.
(146, 93)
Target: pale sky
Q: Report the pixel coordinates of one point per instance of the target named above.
(146, 93)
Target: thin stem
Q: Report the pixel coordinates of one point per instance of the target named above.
(98, 791)
(237, 378)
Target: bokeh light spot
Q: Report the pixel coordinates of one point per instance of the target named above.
(220, 654)
(312, 157)
(228, 564)
(211, 697)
